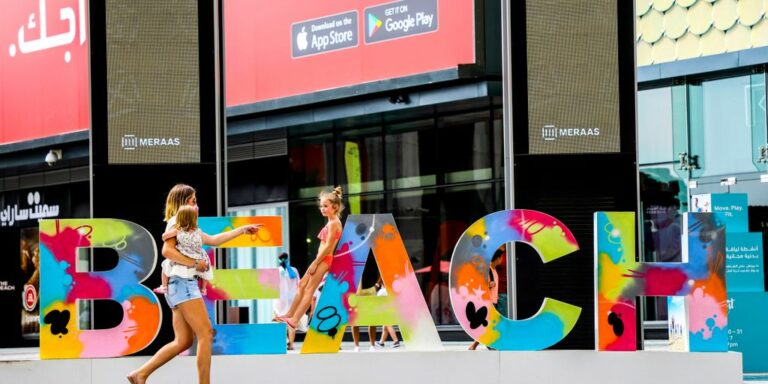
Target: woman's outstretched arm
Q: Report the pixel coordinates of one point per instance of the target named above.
(223, 237)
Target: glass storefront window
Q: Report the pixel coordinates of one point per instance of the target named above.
(411, 155)
(464, 147)
(358, 154)
(654, 126)
(435, 175)
(758, 115)
(721, 126)
(498, 144)
(310, 160)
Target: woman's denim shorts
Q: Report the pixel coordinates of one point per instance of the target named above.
(181, 290)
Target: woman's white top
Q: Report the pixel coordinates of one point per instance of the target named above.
(190, 244)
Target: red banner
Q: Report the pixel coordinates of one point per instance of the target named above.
(275, 49)
(43, 68)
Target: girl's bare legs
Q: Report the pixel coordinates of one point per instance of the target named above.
(299, 296)
(306, 293)
(291, 337)
(384, 331)
(392, 333)
(181, 342)
(388, 330)
(197, 317)
(372, 336)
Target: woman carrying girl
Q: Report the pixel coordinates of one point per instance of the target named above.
(184, 297)
(330, 207)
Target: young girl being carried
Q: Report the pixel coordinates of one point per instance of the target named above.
(189, 242)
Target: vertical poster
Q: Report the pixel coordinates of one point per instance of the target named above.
(30, 278)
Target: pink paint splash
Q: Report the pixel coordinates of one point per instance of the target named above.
(63, 245)
(343, 262)
(704, 309)
(85, 285)
(661, 281)
(109, 342)
(626, 315)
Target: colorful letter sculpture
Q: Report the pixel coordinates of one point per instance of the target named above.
(469, 282)
(61, 286)
(338, 306)
(244, 284)
(620, 279)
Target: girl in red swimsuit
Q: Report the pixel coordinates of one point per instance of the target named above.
(330, 207)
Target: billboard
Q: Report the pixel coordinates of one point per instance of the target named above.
(43, 69)
(281, 49)
(153, 81)
(573, 72)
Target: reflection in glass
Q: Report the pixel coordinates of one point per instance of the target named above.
(654, 126)
(411, 154)
(721, 126)
(464, 143)
(360, 169)
(310, 160)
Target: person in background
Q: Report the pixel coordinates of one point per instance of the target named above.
(289, 284)
(367, 287)
(498, 285)
(386, 330)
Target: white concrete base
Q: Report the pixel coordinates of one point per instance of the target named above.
(400, 367)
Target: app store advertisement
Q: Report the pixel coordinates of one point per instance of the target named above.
(400, 19)
(325, 34)
(279, 50)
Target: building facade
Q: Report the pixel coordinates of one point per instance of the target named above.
(401, 105)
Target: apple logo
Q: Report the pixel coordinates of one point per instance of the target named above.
(301, 39)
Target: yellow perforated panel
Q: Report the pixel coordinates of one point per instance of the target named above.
(737, 38)
(653, 26)
(642, 6)
(700, 17)
(713, 42)
(688, 47)
(760, 34)
(664, 50)
(644, 54)
(750, 11)
(662, 5)
(724, 14)
(685, 3)
(670, 30)
(675, 22)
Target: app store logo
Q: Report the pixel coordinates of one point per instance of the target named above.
(301, 39)
(324, 34)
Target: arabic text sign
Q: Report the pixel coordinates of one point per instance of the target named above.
(744, 262)
(325, 34)
(15, 213)
(400, 19)
(43, 68)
